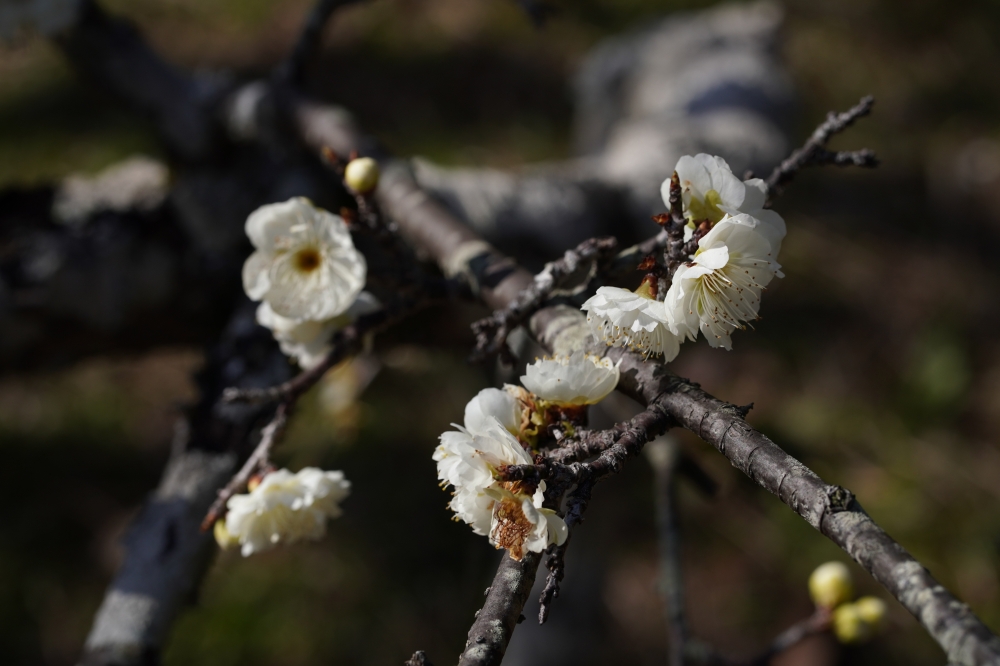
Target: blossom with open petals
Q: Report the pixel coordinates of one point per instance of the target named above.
(492, 403)
(285, 508)
(509, 512)
(467, 460)
(578, 379)
(720, 288)
(521, 525)
(305, 265)
(710, 191)
(623, 318)
(308, 341)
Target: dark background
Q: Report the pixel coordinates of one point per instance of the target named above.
(877, 361)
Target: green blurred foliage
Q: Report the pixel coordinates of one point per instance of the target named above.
(875, 364)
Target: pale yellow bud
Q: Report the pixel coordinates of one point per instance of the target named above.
(849, 626)
(223, 537)
(872, 610)
(362, 174)
(253, 482)
(830, 585)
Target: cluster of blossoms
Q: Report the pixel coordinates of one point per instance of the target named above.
(308, 277)
(307, 274)
(282, 508)
(504, 427)
(831, 589)
(719, 288)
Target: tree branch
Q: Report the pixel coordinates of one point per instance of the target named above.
(111, 52)
(814, 151)
(293, 69)
(166, 552)
(664, 455)
(587, 258)
(256, 461)
(832, 510)
(494, 624)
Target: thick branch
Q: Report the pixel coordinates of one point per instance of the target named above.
(587, 258)
(832, 510)
(166, 552)
(111, 52)
(112, 281)
(494, 625)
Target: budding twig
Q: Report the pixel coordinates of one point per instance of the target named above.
(814, 152)
(347, 342)
(492, 332)
(816, 623)
(258, 460)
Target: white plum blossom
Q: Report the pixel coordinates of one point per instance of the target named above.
(521, 525)
(720, 288)
(707, 185)
(492, 403)
(513, 519)
(577, 379)
(285, 508)
(305, 265)
(623, 318)
(467, 460)
(306, 340)
(771, 225)
(710, 191)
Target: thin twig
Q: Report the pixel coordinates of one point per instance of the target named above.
(258, 460)
(814, 152)
(492, 332)
(293, 68)
(664, 455)
(346, 342)
(816, 623)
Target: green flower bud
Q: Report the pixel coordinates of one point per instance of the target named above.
(830, 585)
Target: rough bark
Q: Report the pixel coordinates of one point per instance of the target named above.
(494, 625)
(166, 553)
(831, 509)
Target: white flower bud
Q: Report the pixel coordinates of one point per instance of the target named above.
(830, 585)
(362, 175)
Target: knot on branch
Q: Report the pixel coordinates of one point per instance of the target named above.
(419, 658)
(839, 499)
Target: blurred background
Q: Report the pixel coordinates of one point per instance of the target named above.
(877, 361)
